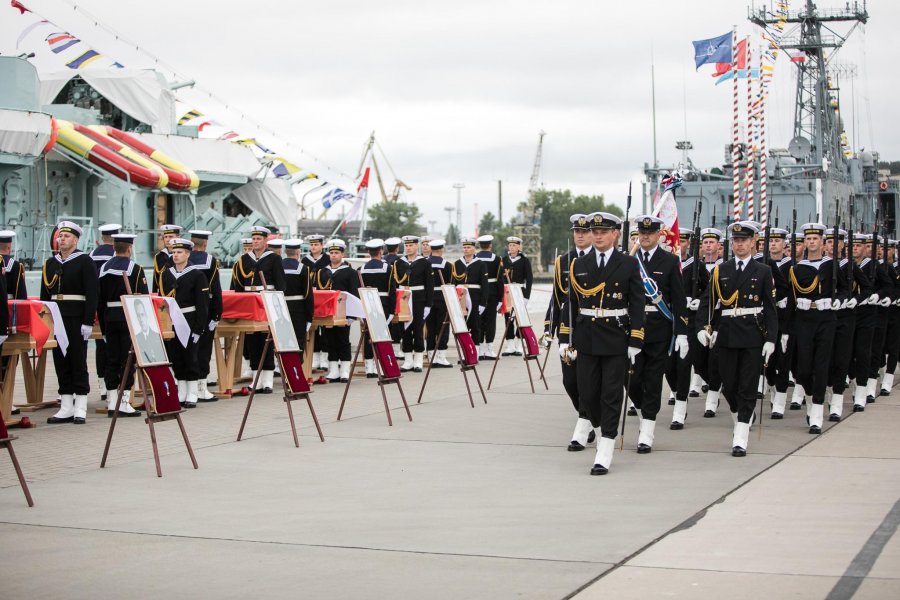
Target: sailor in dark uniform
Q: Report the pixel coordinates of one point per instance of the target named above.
(102, 253)
(315, 260)
(298, 291)
(189, 286)
(413, 272)
(13, 270)
(608, 330)
(113, 324)
(737, 315)
(248, 276)
(70, 279)
(425, 242)
(376, 273)
(163, 259)
(209, 266)
(884, 287)
(706, 363)
(276, 245)
(470, 272)
(516, 269)
(493, 296)
(892, 337)
(442, 271)
(391, 255)
(583, 244)
(338, 276)
(778, 371)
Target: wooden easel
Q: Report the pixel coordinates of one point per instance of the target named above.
(6, 442)
(463, 367)
(525, 357)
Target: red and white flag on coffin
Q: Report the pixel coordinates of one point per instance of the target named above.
(666, 209)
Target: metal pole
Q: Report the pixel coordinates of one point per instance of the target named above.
(459, 187)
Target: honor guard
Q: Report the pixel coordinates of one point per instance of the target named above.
(112, 320)
(442, 273)
(583, 244)
(493, 296)
(391, 246)
(892, 337)
(665, 319)
(779, 367)
(163, 260)
(606, 331)
(471, 273)
(315, 260)
(737, 316)
(376, 273)
(705, 362)
(207, 264)
(188, 285)
(425, 242)
(516, 269)
(811, 319)
(298, 291)
(276, 245)
(884, 287)
(70, 279)
(338, 276)
(391, 249)
(13, 270)
(249, 272)
(781, 287)
(102, 253)
(413, 272)
(866, 317)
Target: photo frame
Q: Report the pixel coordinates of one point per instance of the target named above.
(519, 304)
(376, 322)
(280, 324)
(454, 309)
(146, 337)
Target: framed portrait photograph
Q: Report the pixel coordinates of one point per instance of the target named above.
(454, 309)
(144, 328)
(519, 304)
(375, 319)
(280, 323)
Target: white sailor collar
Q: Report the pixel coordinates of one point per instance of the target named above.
(106, 270)
(297, 271)
(383, 268)
(8, 263)
(439, 265)
(261, 256)
(490, 258)
(338, 268)
(514, 258)
(74, 254)
(865, 261)
(815, 264)
(183, 272)
(688, 261)
(406, 260)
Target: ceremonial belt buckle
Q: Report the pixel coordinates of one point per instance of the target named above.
(472, 286)
(414, 288)
(295, 298)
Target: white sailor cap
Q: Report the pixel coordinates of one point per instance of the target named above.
(375, 244)
(514, 240)
(604, 220)
(69, 227)
(742, 229)
(315, 237)
(181, 244)
(842, 233)
(468, 240)
(410, 239)
(710, 233)
(426, 239)
(485, 239)
(579, 221)
(200, 234)
(336, 244)
(109, 228)
(798, 235)
(126, 238)
(246, 241)
(759, 226)
(813, 229)
(438, 243)
(293, 243)
(777, 233)
(392, 241)
(648, 223)
(170, 228)
(260, 230)
(276, 243)
(6, 236)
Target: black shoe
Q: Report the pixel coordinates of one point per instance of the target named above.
(103, 397)
(795, 405)
(212, 399)
(709, 414)
(859, 408)
(644, 449)
(777, 416)
(487, 358)
(417, 369)
(517, 353)
(632, 411)
(277, 374)
(759, 395)
(705, 388)
(738, 452)
(437, 365)
(693, 394)
(815, 429)
(791, 383)
(343, 380)
(870, 399)
(506, 354)
(110, 413)
(599, 470)
(671, 401)
(188, 405)
(265, 390)
(14, 411)
(592, 436)
(834, 418)
(885, 392)
(575, 446)
(371, 375)
(53, 420)
(402, 370)
(676, 426)
(336, 380)
(78, 420)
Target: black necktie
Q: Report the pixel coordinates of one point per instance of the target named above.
(580, 253)
(602, 261)
(646, 257)
(740, 267)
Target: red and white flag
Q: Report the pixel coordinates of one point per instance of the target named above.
(666, 209)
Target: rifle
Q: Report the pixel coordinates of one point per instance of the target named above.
(725, 243)
(794, 237)
(835, 254)
(850, 262)
(695, 251)
(625, 224)
(874, 254)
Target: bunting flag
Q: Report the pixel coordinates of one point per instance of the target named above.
(84, 59)
(189, 116)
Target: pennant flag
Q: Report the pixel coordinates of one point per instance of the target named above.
(189, 116)
(253, 142)
(742, 74)
(713, 50)
(83, 60)
(20, 6)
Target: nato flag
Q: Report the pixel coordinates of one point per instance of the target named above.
(713, 50)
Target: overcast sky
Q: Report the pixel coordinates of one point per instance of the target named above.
(458, 91)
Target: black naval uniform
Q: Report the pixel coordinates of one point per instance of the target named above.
(442, 274)
(340, 279)
(100, 255)
(162, 260)
(14, 272)
(864, 330)
(298, 294)
(884, 287)
(72, 284)
(845, 325)
(778, 371)
(209, 266)
(189, 288)
(678, 371)
(473, 276)
(706, 360)
(396, 329)
(518, 270)
(112, 316)
(247, 278)
(493, 295)
(417, 276)
(313, 265)
(602, 341)
(892, 337)
(376, 273)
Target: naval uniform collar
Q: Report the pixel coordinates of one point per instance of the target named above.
(75, 254)
(176, 274)
(117, 265)
(606, 255)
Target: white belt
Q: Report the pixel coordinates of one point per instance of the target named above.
(258, 288)
(187, 309)
(295, 297)
(72, 297)
(472, 286)
(603, 313)
(383, 294)
(651, 308)
(820, 304)
(494, 280)
(414, 288)
(113, 305)
(741, 312)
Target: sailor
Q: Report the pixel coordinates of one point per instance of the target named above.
(189, 286)
(778, 369)
(781, 288)
(516, 269)
(247, 277)
(13, 270)
(425, 242)
(413, 272)
(100, 254)
(314, 260)
(70, 279)
(338, 276)
(391, 256)
(113, 325)
(665, 319)
(706, 363)
(892, 337)
(583, 244)
(470, 272)
(684, 241)
(276, 245)
(246, 244)
(442, 274)
(493, 295)
(811, 320)
(607, 300)
(207, 264)
(866, 318)
(162, 260)
(298, 291)
(376, 273)
(883, 286)
(391, 249)
(737, 316)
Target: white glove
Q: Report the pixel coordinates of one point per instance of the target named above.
(896, 302)
(572, 354)
(212, 325)
(480, 309)
(632, 353)
(837, 305)
(309, 326)
(86, 331)
(426, 312)
(781, 303)
(712, 339)
(389, 319)
(768, 350)
(562, 350)
(195, 337)
(693, 303)
(885, 302)
(849, 303)
(804, 303)
(546, 339)
(3, 339)
(784, 342)
(704, 338)
(823, 304)
(873, 299)
(681, 345)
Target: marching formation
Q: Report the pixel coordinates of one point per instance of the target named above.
(743, 315)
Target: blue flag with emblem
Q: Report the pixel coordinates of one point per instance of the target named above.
(713, 50)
